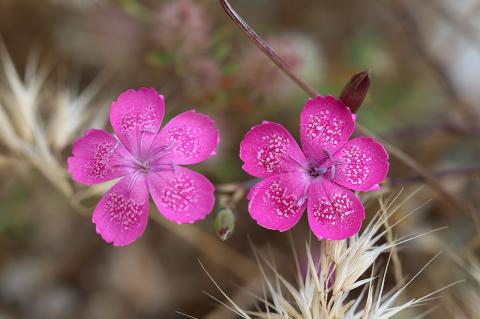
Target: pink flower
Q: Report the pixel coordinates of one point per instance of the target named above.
(318, 178)
(148, 160)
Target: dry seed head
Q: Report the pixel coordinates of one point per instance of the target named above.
(24, 134)
(334, 285)
(74, 111)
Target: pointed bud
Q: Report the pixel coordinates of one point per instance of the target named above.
(225, 223)
(355, 91)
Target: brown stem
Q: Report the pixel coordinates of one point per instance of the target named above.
(445, 196)
(453, 201)
(262, 45)
(452, 172)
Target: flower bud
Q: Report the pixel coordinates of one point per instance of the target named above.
(355, 91)
(225, 223)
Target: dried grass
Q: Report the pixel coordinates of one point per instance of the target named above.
(39, 120)
(345, 281)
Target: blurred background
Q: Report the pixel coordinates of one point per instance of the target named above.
(64, 61)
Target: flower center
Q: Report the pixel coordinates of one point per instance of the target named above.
(156, 159)
(317, 171)
(144, 166)
(325, 169)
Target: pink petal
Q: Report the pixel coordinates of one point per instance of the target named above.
(362, 163)
(122, 213)
(193, 138)
(374, 188)
(182, 195)
(334, 212)
(96, 158)
(268, 149)
(253, 190)
(136, 117)
(325, 124)
(279, 201)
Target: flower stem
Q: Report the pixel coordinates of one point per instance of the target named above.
(263, 46)
(446, 196)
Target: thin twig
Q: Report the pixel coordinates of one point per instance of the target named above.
(453, 201)
(451, 172)
(440, 124)
(445, 195)
(263, 46)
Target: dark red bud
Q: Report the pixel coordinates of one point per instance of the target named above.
(355, 91)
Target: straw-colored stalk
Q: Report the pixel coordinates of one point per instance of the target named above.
(345, 281)
(39, 120)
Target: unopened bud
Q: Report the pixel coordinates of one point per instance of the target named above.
(355, 91)
(225, 223)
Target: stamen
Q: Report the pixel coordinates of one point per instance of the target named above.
(333, 168)
(115, 147)
(127, 161)
(133, 180)
(328, 153)
(117, 139)
(159, 149)
(304, 197)
(128, 158)
(317, 171)
(144, 130)
(332, 171)
(302, 200)
(162, 151)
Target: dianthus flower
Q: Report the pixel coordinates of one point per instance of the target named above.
(319, 178)
(148, 160)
